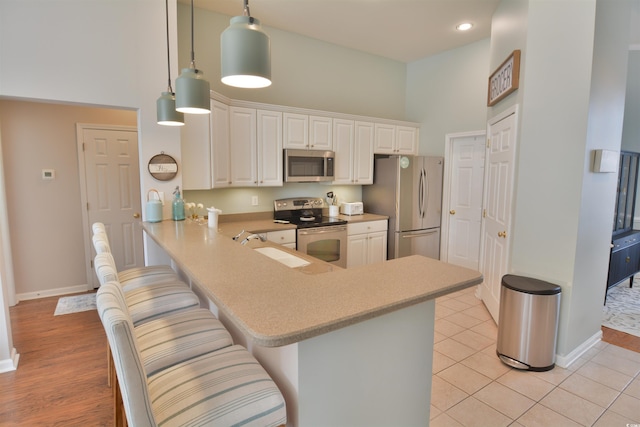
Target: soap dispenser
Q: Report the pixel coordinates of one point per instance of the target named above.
(178, 205)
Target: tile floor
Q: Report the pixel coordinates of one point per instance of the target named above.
(472, 387)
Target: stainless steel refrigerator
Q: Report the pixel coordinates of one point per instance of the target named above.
(408, 189)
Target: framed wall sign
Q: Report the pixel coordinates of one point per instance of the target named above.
(163, 167)
(505, 79)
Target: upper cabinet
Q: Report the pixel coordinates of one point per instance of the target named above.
(240, 143)
(393, 139)
(256, 147)
(205, 149)
(305, 132)
(353, 144)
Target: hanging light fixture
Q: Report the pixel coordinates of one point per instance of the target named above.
(192, 90)
(166, 104)
(245, 53)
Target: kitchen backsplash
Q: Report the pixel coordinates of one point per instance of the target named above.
(240, 200)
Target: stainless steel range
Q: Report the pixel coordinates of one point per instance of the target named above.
(320, 236)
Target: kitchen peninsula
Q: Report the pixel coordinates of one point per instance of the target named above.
(345, 346)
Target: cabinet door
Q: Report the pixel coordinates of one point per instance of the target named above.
(343, 146)
(320, 134)
(244, 168)
(377, 247)
(269, 148)
(296, 131)
(363, 153)
(406, 140)
(356, 250)
(220, 147)
(195, 144)
(385, 138)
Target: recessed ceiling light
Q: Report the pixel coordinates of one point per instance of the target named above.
(464, 26)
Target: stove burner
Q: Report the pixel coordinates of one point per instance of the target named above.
(304, 212)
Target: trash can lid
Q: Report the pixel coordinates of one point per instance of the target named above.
(529, 285)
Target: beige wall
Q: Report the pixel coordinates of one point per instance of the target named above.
(45, 217)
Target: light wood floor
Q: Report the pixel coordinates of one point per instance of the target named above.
(61, 377)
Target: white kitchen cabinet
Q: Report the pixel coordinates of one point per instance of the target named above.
(304, 132)
(366, 243)
(285, 238)
(392, 139)
(256, 147)
(195, 145)
(363, 153)
(205, 149)
(244, 156)
(353, 144)
(320, 133)
(220, 145)
(296, 130)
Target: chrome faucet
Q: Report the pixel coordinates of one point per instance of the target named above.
(237, 236)
(253, 237)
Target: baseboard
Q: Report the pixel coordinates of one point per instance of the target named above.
(10, 364)
(53, 292)
(566, 361)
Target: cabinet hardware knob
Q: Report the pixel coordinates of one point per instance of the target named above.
(627, 259)
(136, 215)
(452, 211)
(502, 234)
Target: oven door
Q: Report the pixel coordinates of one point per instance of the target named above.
(326, 243)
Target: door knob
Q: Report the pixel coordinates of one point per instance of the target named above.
(502, 234)
(136, 215)
(452, 211)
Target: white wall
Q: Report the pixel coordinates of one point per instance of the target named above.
(572, 98)
(447, 93)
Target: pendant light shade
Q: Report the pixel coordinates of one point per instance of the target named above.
(192, 90)
(166, 110)
(245, 53)
(166, 104)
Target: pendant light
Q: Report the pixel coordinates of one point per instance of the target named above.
(192, 90)
(166, 104)
(245, 53)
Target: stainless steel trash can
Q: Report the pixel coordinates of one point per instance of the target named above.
(528, 323)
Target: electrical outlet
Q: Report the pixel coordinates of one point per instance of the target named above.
(254, 200)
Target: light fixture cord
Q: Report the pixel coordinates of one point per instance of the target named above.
(166, 12)
(247, 12)
(193, 55)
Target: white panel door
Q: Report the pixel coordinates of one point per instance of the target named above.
(363, 153)
(112, 186)
(465, 205)
(220, 145)
(343, 134)
(497, 212)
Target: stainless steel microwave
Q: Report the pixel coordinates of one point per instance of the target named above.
(308, 165)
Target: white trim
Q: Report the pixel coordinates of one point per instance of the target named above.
(634, 47)
(446, 187)
(54, 292)
(10, 364)
(565, 361)
(296, 110)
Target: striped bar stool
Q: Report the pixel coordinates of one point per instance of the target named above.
(101, 245)
(224, 387)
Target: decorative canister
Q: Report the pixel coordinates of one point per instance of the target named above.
(212, 221)
(154, 207)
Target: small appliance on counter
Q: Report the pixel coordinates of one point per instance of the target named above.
(351, 208)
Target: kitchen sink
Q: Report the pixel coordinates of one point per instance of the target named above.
(283, 257)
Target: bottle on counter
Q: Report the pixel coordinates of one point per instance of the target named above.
(178, 205)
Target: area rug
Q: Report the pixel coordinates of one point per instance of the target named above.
(75, 304)
(622, 310)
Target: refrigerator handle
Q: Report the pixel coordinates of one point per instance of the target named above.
(426, 192)
(420, 192)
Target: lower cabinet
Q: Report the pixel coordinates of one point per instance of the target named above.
(367, 243)
(625, 257)
(285, 238)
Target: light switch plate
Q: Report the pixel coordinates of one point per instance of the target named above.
(605, 161)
